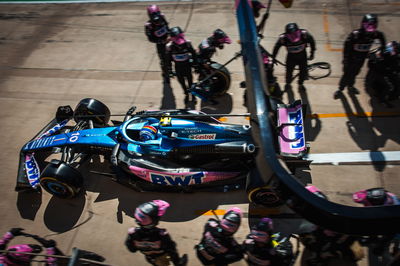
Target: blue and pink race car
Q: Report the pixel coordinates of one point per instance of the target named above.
(169, 150)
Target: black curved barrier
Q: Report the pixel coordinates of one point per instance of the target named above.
(337, 217)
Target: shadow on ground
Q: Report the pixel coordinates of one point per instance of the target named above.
(63, 214)
(364, 130)
(223, 105)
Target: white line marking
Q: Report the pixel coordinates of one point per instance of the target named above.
(353, 157)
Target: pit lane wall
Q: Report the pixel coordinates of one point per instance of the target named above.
(337, 217)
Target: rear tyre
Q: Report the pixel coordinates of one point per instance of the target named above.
(92, 109)
(61, 180)
(265, 196)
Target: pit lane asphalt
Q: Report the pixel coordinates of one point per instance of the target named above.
(57, 54)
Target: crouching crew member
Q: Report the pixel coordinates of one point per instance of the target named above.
(155, 243)
(218, 246)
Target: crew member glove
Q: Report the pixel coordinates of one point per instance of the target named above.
(16, 231)
(311, 57)
(171, 74)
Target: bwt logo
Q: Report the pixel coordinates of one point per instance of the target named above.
(202, 136)
(177, 180)
(32, 170)
(297, 131)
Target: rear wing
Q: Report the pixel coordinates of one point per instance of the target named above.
(337, 217)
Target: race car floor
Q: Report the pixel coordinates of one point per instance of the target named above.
(58, 54)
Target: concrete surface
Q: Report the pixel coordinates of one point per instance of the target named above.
(57, 54)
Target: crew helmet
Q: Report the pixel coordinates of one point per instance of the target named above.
(153, 10)
(148, 214)
(177, 35)
(257, 6)
(316, 191)
(376, 196)
(221, 37)
(231, 221)
(292, 32)
(262, 231)
(291, 27)
(369, 22)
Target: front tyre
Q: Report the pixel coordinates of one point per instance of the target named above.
(61, 180)
(92, 109)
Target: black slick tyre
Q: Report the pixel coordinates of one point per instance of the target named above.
(92, 109)
(61, 180)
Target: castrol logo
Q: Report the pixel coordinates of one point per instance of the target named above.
(202, 136)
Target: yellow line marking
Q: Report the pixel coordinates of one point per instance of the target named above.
(210, 212)
(328, 46)
(376, 4)
(364, 114)
(265, 212)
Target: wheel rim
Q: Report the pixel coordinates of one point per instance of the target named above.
(219, 83)
(264, 196)
(55, 187)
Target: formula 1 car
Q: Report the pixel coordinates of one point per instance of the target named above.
(170, 150)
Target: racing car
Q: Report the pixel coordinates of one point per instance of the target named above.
(169, 150)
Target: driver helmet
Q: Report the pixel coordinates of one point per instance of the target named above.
(19, 258)
(292, 32)
(220, 37)
(148, 214)
(392, 48)
(177, 35)
(316, 191)
(369, 23)
(372, 197)
(148, 133)
(262, 231)
(231, 221)
(257, 6)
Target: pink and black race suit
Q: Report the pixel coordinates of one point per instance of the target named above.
(297, 46)
(152, 242)
(259, 254)
(157, 33)
(359, 42)
(183, 56)
(297, 53)
(206, 50)
(9, 261)
(217, 247)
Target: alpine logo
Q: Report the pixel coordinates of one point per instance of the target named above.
(202, 136)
